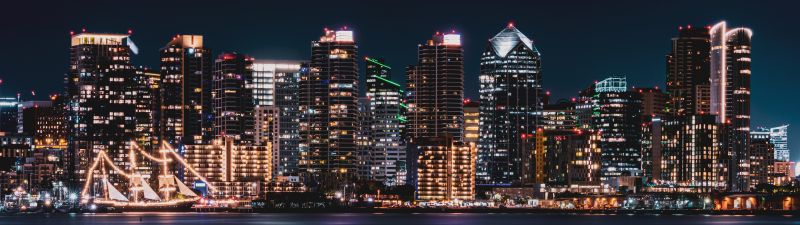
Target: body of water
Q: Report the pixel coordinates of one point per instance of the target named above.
(387, 219)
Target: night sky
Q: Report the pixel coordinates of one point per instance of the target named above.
(579, 42)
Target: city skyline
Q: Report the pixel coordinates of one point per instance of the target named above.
(558, 32)
(620, 108)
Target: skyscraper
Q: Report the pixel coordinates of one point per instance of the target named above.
(102, 101)
(688, 71)
(435, 87)
(387, 154)
(186, 82)
(436, 83)
(328, 108)
(618, 120)
(276, 83)
(232, 99)
(730, 96)
(511, 99)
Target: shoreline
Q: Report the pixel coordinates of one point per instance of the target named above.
(456, 210)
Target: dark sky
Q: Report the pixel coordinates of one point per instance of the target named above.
(580, 42)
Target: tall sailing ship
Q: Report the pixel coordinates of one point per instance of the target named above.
(171, 194)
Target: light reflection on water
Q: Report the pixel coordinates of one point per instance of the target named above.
(186, 218)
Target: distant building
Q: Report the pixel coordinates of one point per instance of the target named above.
(329, 109)
(8, 115)
(185, 94)
(446, 170)
(778, 136)
(730, 97)
(654, 102)
(436, 86)
(559, 116)
(435, 94)
(385, 121)
(103, 93)
(471, 121)
(690, 154)
(276, 83)
(762, 161)
(618, 120)
(785, 173)
(511, 99)
(45, 121)
(688, 70)
(267, 132)
(13, 151)
(236, 171)
(231, 99)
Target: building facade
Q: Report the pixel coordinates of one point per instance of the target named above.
(688, 71)
(231, 171)
(730, 97)
(446, 170)
(102, 100)
(186, 113)
(511, 99)
(276, 83)
(329, 107)
(618, 120)
(387, 153)
(232, 100)
(436, 86)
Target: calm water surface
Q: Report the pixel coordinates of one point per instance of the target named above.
(387, 219)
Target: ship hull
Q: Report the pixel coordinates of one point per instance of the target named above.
(179, 207)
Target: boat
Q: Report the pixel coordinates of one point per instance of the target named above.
(101, 195)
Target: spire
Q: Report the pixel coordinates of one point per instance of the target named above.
(509, 38)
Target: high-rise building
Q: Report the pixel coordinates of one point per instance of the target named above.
(446, 170)
(102, 97)
(387, 152)
(185, 115)
(730, 97)
(45, 121)
(654, 102)
(511, 100)
(762, 161)
(267, 131)
(147, 106)
(779, 137)
(329, 107)
(231, 99)
(618, 120)
(688, 71)
(690, 160)
(436, 86)
(235, 171)
(8, 115)
(276, 83)
(652, 147)
(566, 158)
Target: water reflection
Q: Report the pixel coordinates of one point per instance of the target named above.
(388, 219)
